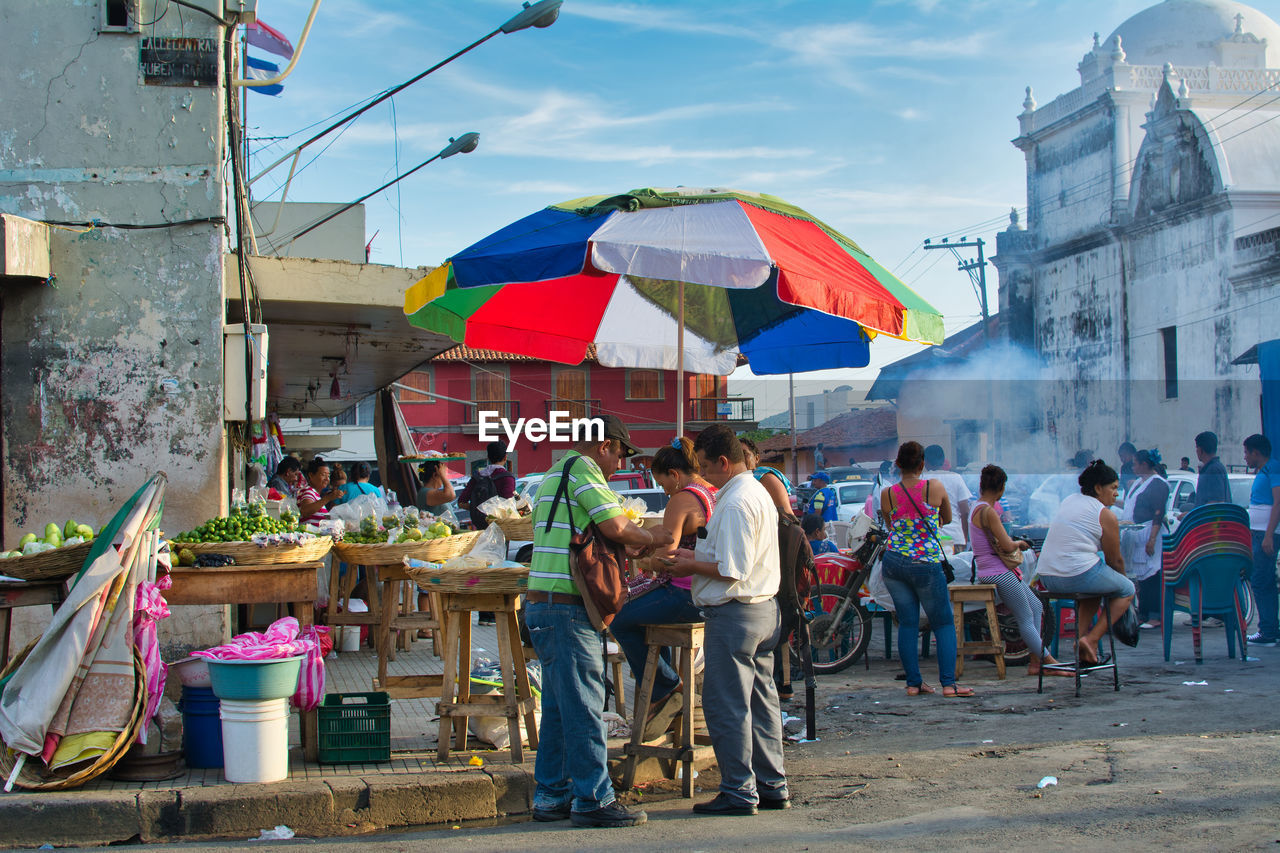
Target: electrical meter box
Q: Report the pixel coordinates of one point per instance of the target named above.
(236, 380)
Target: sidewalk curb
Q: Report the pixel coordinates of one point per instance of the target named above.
(334, 806)
(337, 806)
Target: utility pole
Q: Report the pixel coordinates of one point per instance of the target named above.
(977, 270)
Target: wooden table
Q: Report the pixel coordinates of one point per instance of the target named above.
(25, 594)
(265, 583)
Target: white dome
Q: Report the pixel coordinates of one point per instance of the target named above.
(1186, 32)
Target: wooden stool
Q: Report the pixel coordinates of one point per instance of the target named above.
(340, 588)
(615, 660)
(986, 594)
(456, 702)
(677, 746)
(395, 624)
(1076, 667)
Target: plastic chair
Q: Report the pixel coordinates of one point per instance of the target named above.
(1205, 563)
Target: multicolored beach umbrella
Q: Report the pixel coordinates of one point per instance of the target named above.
(673, 279)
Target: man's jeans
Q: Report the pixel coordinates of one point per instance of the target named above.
(663, 606)
(913, 585)
(740, 701)
(572, 763)
(1263, 581)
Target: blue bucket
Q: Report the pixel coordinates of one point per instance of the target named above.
(201, 727)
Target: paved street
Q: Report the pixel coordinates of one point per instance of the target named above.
(1161, 763)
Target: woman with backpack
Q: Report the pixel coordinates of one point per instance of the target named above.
(914, 569)
(656, 599)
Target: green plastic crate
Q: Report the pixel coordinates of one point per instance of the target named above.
(355, 728)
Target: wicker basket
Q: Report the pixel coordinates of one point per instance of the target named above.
(516, 529)
(497, 580)
(247, 553)
(35, 777)
(388, 554)
(47, 565)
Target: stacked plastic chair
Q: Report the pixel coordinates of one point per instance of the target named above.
(1206, 561)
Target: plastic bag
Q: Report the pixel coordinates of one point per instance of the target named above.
(486, 680)
(500, 507)
(491, 546)
(634, 508)
(364, 506)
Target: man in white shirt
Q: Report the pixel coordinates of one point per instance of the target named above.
(736, 574)
(935, 460)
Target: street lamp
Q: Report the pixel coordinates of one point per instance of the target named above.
(464, 144)
(539, 15)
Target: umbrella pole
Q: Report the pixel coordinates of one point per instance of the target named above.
(17, 768)
(680, 362)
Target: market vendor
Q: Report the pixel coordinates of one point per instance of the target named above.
(311, 506)
(436, 492)
(288, 476)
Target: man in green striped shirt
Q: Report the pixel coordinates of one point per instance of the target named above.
(571, 771)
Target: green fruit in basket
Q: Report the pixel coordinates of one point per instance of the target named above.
(26, 540)
(186, 557)
(84, 531)
(51, 529)
(439, 529)
(413, 533)
(69, 529)
(54, 539)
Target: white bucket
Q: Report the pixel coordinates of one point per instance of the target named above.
(255, 740)
(350, 638)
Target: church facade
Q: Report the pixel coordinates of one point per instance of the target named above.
(1150, 258)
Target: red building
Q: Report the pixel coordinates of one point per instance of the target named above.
(518, 387)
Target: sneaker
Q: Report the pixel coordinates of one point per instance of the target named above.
(553, 814)
(1259, 640)
(614, 814)
(1211, 622)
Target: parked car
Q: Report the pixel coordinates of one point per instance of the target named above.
(843, 473)
(528, 484)
(654, 499)
(632, 478)
(1182, 492)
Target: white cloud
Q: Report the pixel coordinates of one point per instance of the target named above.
(653, 18)
(909, 114)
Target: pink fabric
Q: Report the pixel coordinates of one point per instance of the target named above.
(148, 611)
(311, 678)
(283, 640)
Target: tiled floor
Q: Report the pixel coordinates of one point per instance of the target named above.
(414, 725)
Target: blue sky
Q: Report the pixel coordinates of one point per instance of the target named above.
(888, 119)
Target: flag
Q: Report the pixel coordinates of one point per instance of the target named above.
(269, 39)
(258, 69)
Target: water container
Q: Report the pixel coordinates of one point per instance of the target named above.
(255, 740)
(201, 729)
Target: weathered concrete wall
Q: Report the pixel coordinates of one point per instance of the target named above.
(114, 370)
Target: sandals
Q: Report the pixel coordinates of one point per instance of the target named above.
(920, 690)
(956, 692)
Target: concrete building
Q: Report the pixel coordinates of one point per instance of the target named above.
(1151, 251)
(117, 280)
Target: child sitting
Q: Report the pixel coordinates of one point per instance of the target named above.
(816, 532)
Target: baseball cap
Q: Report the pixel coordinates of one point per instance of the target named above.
(820, 475)
(615, 428)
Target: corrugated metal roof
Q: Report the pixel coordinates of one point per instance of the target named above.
(859, 428)
(465, 353)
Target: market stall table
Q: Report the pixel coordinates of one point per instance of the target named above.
(25, 594)
(267, 583)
